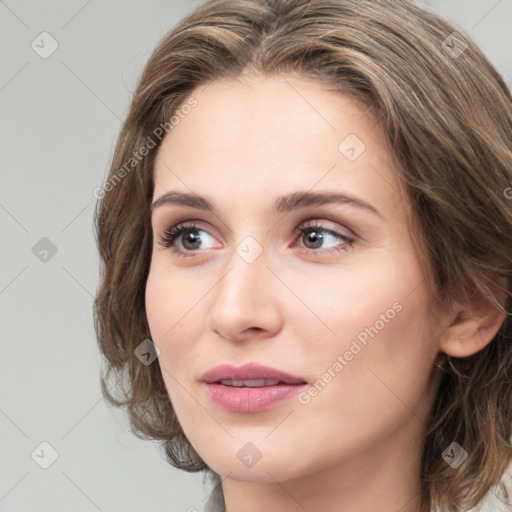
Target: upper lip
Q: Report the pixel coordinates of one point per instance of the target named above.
(249, 371)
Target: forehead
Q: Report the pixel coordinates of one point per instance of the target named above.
(261, 135)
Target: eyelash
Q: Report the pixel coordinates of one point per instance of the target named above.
(170, 235)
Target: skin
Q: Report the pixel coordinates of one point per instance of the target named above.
(356, 445)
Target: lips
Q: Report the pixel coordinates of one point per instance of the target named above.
(252, 388)
(250, 372)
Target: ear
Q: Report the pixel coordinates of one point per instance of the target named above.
(474, 326)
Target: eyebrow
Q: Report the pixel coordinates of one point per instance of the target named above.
(283, 204)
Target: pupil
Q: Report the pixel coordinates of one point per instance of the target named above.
(315, 238)
(191, 237)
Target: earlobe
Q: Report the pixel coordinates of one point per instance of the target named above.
(472, 329)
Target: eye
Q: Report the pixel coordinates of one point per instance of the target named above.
(188, 235)
(317, 236)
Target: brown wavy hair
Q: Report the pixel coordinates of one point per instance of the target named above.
(447, 116)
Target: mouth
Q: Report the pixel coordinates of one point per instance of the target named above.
(251, 388)
(253, 383)
(252, 375)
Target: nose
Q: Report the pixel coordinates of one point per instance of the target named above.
(245, 303)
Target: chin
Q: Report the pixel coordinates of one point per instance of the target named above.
(265, 471)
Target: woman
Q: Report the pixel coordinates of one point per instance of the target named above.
(306, 243)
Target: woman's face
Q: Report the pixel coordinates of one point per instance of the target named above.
(342, 305)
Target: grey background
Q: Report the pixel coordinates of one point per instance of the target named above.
(59, 120)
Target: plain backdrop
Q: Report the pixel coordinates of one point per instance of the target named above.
(60, 117)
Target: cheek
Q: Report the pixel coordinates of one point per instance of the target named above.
(170, 301)
(375, 369)
(380, 297)
(173, 307)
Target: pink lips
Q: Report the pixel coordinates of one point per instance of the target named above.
(250, 399)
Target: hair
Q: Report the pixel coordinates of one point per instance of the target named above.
(447, 117)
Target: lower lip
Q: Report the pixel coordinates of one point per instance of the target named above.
(250, 400)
